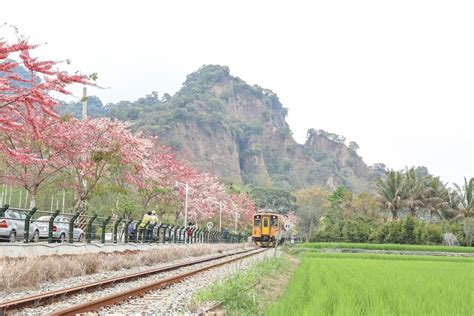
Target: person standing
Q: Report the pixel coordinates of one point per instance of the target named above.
(145, 222)
(132, 231)
(151, 226)
(190, 234)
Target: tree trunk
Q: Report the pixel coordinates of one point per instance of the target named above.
(79, 206)
(145, 203)
(394, 214)
(33, 194)
(32, 199)
(310, 231)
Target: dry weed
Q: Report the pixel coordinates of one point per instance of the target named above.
(28, 273)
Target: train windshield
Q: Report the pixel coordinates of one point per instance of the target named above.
(274, 221)
(265, 222)
(257, 221)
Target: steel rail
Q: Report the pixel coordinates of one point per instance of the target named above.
(59, 295)
(141, 290)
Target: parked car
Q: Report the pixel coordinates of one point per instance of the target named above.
(60, 229)
(12, 226)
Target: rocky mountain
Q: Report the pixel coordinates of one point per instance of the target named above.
(222, 125)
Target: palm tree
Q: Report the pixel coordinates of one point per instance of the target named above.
(436, 197)
(454, 199)
(413, 187)
(466, 200)
(392, 191)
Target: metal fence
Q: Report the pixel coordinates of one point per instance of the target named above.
(35, 226)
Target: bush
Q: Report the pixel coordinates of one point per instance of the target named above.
(456, 229)
(407, 231)
(330, 233)
(432, 234)
(356, 231)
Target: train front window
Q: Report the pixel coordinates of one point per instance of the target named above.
(274, 221)
(257, 221)
(265, 222)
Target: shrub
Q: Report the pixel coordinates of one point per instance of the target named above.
(356, 230)
(407, 231)
(456, 229)
(432, 234)
(394, 235)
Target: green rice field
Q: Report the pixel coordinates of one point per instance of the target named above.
(400, 247)
(367, 284)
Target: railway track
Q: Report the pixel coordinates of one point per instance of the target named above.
(60, 295)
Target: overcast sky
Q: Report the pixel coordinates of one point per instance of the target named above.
(397, 77)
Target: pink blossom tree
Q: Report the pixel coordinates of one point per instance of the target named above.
(244, 206)
(22, 98)
(97, 145)
(156, 178)
(292, 219)
(32, 161)
(36, 144)
(30, 129)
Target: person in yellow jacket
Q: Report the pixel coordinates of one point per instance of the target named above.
(145, 220)
(151, 226)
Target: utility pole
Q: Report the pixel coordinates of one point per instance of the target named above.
(236, 217)
(64, 199)
(84, 103)
(220, 216)
(186, 187)
(186, 206)
(82, 208)
(220, 212)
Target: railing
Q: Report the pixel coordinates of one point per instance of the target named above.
(34, 226)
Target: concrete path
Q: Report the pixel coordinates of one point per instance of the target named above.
(17, 250)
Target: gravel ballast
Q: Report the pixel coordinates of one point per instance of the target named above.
(177, 299)
(175, 254)
(172, 301)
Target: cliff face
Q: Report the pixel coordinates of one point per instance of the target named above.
(218, 155)
(335, 162)
(222, 125)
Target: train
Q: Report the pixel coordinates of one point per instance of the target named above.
(268, 229)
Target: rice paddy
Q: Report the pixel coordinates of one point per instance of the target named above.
(398, 247)
(367, 284)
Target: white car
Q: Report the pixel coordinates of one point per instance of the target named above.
(60, 229)
(12, 226)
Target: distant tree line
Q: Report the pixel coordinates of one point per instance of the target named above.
(409, 206)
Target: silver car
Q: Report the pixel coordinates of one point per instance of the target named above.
(60, 228)
(12, 226)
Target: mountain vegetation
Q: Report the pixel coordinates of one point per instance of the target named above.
(222, 125)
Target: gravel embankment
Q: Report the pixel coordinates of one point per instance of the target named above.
(8, 295)
(38, 273)
(82, 298)
(177, 298)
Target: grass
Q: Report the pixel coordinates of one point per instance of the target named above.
(356, 284)
(400, 247)
(246, 292)
(388, 257)
(28, 273)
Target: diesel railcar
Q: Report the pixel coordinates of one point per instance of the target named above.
(268, 229)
